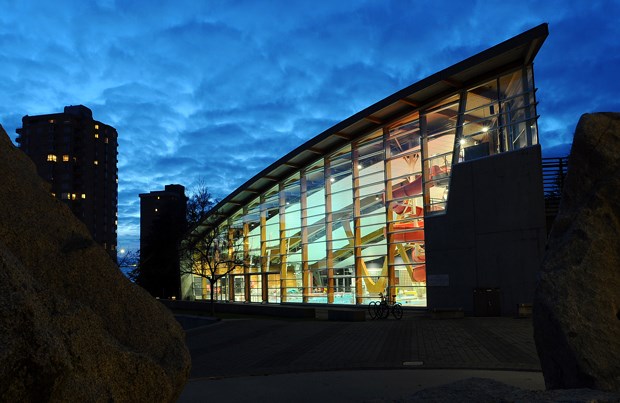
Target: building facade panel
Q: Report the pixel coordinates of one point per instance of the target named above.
(493, 234)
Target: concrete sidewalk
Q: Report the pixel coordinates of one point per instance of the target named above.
(307, 360)
(343, 386)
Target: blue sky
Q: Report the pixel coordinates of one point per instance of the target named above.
(220, 89)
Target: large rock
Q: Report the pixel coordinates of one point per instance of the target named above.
(577, 302)
(72, 327)
(487, 390)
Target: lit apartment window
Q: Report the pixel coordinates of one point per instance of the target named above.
(83, 196)
(115, 222)
(65, 196)
(65, 158)
(105, 140)
(53, 194)
(156, 210)
(96, 127)
(51, 120)
(96, 162)
(96, 135)
(73, 196)
(51, 157)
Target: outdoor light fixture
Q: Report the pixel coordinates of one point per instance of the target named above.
(332, 180)
(485, 129)
(462, 142)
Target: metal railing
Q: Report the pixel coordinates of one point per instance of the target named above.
(554, 172)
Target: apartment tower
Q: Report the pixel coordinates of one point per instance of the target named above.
(77, 155)
(162, 224)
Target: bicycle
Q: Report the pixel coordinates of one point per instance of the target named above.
(382, 309)
(372, 309)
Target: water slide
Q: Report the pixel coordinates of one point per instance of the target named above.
(413, 188)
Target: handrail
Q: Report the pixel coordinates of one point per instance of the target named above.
(554, 172)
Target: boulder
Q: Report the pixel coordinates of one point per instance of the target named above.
(488, 390)
(72, 327)
(576, 309)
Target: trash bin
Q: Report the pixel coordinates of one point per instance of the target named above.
(487, 302)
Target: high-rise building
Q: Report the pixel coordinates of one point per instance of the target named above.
(77, 155)
(162, 224)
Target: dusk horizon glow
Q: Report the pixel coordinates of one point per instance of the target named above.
(217, 91)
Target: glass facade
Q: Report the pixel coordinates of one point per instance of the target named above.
(351, 224)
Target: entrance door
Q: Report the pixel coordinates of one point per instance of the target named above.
(256, 288)
(239, 284)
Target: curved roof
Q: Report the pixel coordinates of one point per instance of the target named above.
(517, 51)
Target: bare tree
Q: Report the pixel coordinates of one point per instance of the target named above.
(199, 203)
(211, 255)
(128, 262)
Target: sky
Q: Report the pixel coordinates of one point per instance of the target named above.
(216, 91)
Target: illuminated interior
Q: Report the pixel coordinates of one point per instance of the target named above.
(350, 224)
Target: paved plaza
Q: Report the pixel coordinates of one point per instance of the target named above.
(257, 359)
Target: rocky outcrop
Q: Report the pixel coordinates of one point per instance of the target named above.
(487, 390)
(72, 327)
(577, 303)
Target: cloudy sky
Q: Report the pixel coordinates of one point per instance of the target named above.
(220, 89)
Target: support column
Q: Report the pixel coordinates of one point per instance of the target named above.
(389, 214)
(305, 270)
(264, 259)
(329, 254)
(460, 119)
(283, 242)
(246, 258)
(357, 232)
(230, 267)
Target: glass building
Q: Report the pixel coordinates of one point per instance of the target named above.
(344, 217)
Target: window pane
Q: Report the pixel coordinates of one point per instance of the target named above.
(404, 139)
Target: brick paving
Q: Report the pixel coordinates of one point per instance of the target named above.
(251, 346)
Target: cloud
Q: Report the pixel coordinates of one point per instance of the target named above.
(220, 90)
(558, 150)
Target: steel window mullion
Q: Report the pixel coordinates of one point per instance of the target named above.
(460, 120)
(526, 101)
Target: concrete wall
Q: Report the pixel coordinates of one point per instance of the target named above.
(290, 311)
(493, 235)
